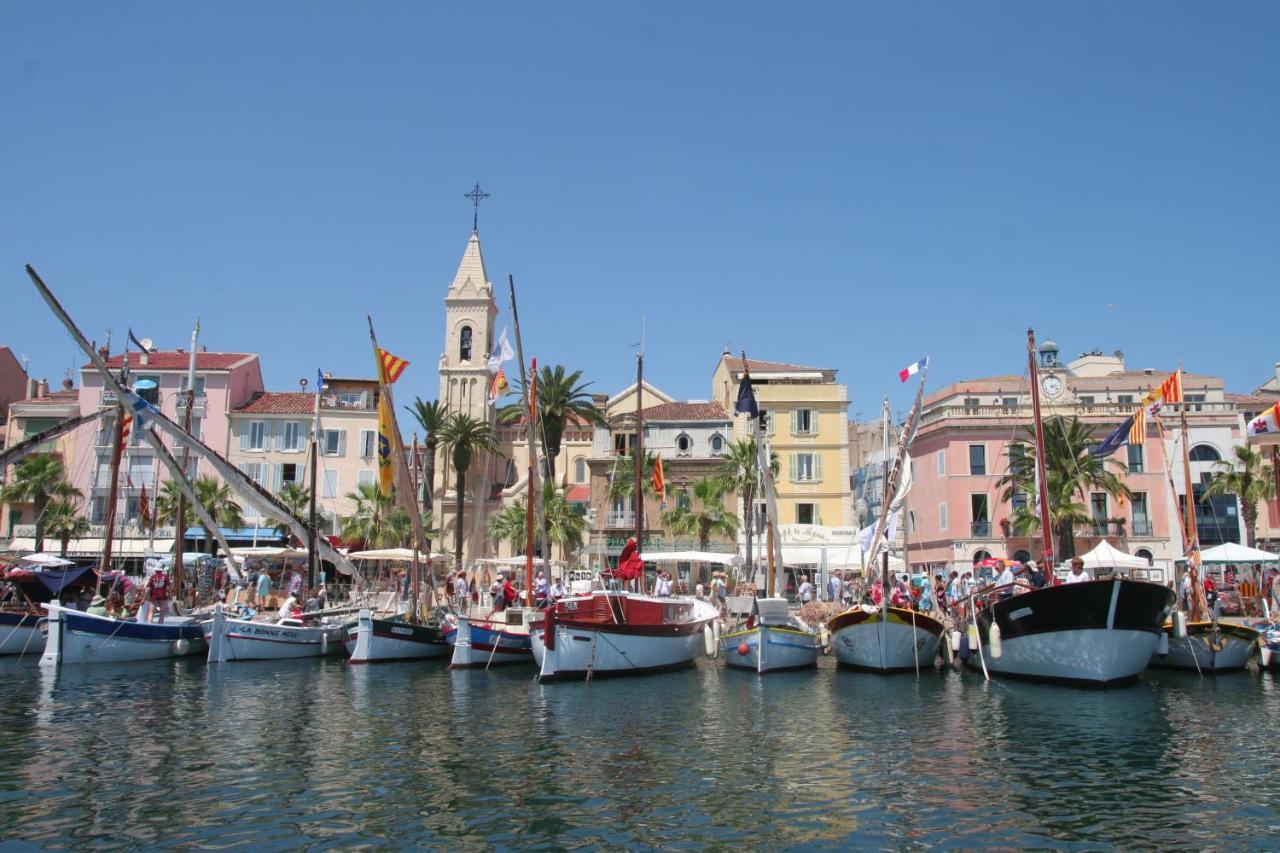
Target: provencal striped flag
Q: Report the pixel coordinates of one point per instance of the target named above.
(1138, 430)
(391, 366)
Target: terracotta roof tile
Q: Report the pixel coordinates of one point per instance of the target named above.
(578, 494)
(758, 366)
(280, 403)
(1250, 400)
(54, 398)
(178, 360)
(680, 411)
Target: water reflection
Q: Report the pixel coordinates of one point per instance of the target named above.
(298, 753)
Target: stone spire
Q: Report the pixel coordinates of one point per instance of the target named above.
(471, 281)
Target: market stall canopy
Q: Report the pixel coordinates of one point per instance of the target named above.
(395, 555)
(93, 547)
(45, 559)
(1233, 552)
(718, 558)
(1106, 556)
(271, 552)
(519, 561)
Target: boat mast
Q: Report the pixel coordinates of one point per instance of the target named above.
(884, 559)
(314, 463)
(117, 450)
(1197, 603)
(186, 455)
(1042, 483)
(528, 396)
(413, 568)
(639, 452)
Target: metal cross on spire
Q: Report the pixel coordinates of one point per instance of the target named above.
(477, 195)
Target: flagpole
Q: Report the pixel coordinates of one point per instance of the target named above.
(528, 392)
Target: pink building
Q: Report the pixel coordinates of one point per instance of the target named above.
(957, 514)
(223, 382)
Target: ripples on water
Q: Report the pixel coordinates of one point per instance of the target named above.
(315, 753)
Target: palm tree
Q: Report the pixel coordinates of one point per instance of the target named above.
(624, 476)
(218, 501)
(562, 398)
(1070, 471)
(508, 525)
(63, 519)
(365, 524)
(705, 515)
(1248, 478)
(432, 417)
(463, 436)
(297, 499)
(740, 473)
(37, 480)
(166, 506)
(563, 526)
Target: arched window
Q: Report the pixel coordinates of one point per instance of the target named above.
(580, 470)
(682, 499)
(684, 444)
(464, 344)
(1146, 555)
(1205, 453)
(717, 443)
(1022, 556)
(509, 479)
(983, 554)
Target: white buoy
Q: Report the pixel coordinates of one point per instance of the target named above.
(1264, 656)
(709, 640)
(973, 637)
(1179, 624)
(181, 646)
(1162, 645)
(955, 641)
(994, 644)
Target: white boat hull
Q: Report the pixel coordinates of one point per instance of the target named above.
(770, 649)
(1090, 656)
(1195, 652)
(21, 634)
(238, 640)
(877, 644)
(79, 638)
(598, 651)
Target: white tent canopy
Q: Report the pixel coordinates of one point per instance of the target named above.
(1233, 552)
(45, 559)
(395, 554)
(1107, 556)
(718, 558)
(270, 552)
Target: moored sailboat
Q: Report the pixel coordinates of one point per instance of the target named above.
(231, 639)
(1097, 633)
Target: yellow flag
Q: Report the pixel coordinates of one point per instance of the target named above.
(386, 473)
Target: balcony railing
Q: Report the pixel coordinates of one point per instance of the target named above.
(197, 407)
(981, 529)
(621, 519)
(1022, 411)
(1141, 527)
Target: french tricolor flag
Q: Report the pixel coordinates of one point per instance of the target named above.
(913, 369)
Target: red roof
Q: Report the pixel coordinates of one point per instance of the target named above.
(280, 403)
(578, 494)
(1251, 401)
(54, 397)
(179, 360)
(755, 365)
(678, 411)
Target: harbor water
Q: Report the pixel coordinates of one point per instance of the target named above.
(318, 754)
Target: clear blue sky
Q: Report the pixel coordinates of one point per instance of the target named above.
(842, 184)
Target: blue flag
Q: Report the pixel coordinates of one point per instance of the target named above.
(319, 380)
(747, 398)
(1112, 443)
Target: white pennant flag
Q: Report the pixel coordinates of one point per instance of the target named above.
(502, 353)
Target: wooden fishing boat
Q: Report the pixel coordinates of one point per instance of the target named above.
(773, 640)
(501, 639)
(619, 633)
(81, 638)
(231, 639)
(371, 639)
(1210, 647)
(886, 639)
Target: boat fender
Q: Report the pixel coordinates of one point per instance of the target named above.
(324, 643)
(955, 641)
(972, 635)
(1162, 644)
(963, 651)
(1264, 655)
(709, 640)
(181, 647)
(744, 649)
(947, 654)
(1179, 625)
(995, 644)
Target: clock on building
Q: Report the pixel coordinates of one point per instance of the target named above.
(1052, 386)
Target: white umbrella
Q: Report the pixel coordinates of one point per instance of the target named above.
(1106, 556)
(45, 559)
(1233, 552)
(396, 555)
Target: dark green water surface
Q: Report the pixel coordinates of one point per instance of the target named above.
(317, 754)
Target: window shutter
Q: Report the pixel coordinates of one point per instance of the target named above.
(791, 466)
(245, 426)
(342, 442)
(277, 477)
(795, 421)
(817, 467)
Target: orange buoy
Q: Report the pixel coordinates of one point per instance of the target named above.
(744, 649)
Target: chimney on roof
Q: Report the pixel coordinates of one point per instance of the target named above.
(32, 385)
(105, 352)
(144, 358)
(42, 390)
(67, 384)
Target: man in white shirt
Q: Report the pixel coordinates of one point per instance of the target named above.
(1077, 573)
(460, 592)
(806, 590)
(1006, 576)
